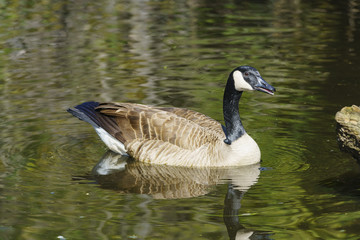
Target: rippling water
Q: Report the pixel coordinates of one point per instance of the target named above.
(57, 54)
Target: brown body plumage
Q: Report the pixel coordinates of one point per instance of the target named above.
(173, 136)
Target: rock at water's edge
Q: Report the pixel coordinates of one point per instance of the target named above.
(348, 130)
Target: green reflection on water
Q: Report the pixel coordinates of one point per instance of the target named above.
(176, 53)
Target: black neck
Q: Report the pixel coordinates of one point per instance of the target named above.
(234, 127)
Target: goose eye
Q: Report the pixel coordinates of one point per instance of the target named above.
(246, 74)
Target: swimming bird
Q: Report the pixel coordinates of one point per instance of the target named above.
(179, 136)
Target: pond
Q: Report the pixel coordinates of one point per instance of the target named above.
(57, 179)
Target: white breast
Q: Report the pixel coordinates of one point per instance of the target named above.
(243, 151)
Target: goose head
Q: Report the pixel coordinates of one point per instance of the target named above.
(247, 78)
(243, 78)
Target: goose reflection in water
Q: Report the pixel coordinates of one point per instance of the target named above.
(119, 173)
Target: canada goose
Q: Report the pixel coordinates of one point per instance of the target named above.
(177, 136)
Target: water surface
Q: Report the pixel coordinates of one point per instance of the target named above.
(57, 54)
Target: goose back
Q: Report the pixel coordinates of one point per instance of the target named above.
(171, 136)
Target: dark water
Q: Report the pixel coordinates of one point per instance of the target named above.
(56, 54)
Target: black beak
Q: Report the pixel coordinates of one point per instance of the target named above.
(263, 86)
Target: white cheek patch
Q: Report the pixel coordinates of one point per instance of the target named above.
(240, 83)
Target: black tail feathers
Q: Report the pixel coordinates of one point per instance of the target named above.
(86, 112)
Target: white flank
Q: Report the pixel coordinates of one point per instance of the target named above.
(112, 143)
(240, 83)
